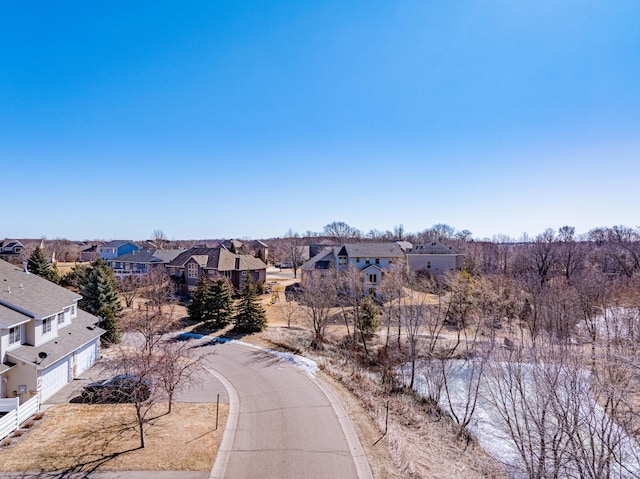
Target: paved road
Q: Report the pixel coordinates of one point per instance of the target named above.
(286, 425)
(282, 423)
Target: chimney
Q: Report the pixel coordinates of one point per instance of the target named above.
(24, 267)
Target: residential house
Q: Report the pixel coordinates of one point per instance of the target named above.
(434, 258)
(89, 254)
(141, 261)
(11, 250)
(257, 248)
(187, 268)
(372, 260)
(116, 248)
(45, 339)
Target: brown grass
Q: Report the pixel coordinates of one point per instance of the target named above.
(80, 437)
(421, 442)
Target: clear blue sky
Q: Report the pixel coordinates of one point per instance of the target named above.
(240, 119)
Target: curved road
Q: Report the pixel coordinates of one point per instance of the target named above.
(286, 425)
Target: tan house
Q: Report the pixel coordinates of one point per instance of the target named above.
(45, 339)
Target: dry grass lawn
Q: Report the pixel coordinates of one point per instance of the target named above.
(80, 437)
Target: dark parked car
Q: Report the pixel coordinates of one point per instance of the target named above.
(122, 388)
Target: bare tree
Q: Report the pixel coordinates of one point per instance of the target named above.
(139, 369)
(129, 289)
(293, 249)
(288, 311)
(341, 231)
(176, 368)
(317, 296)
(157, 288)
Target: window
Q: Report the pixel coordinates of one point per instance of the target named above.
(357, 260)
(377, 260)
(373, 278)
(173, 271)
(73, 311)
(60, 318)
(46, 325)
(428, 264)
(244, 273)
(192, 270)
(367, 262)
(227, 274)
(14, 335)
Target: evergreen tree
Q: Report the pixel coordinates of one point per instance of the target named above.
(250, 316)
(110, 324)
(201, 301)
(38, 265)
(97, 286)
(369, 317)
(221, 302)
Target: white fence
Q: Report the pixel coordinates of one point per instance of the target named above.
(16, 413)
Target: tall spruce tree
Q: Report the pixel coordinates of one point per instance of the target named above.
(221, 302)
(250, 316)
(38, 264)
(97, 286)
(201, 300)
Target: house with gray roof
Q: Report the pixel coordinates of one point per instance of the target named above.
(11, 250)
(187, 268)
(371, 260)
(116, 248)
(45, 339)
(374, 260)
(435, 258)
(140, 261)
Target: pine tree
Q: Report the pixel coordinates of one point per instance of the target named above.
(110, 324)
(38, 265)
(97, 286)
(200, 306)
(369, 319)
(250, 316)
(221, 302)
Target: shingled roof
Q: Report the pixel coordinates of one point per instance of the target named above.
(149, 256)
(218, 258)
(30, 295)
(372, 250)
(434, 248)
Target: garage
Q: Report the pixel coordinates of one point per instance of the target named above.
(54, 378)
(86, 357)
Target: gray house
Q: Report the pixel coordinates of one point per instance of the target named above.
(372, 260)
(11, 250)
(141, 261)
(435, 258)
(45, 339)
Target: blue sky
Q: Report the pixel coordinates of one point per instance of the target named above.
(244, 119)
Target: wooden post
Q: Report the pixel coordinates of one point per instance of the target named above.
(218, 409)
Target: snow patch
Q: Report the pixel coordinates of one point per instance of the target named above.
(305, 365)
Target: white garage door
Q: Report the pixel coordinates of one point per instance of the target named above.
(86, 357)
(54, 378)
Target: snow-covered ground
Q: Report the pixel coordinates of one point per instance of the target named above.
(489, 422)
(305, 365)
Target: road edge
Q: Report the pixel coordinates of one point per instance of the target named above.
(224, 451)
(360, 461)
